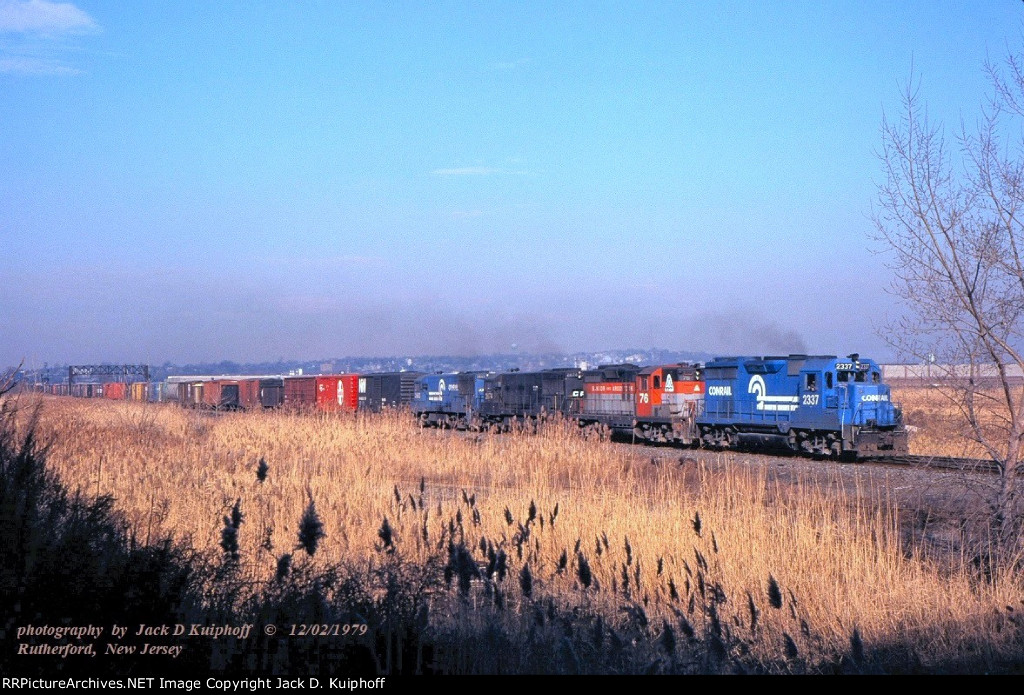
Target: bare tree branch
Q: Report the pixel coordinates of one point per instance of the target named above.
(7, 379)
(951, 217)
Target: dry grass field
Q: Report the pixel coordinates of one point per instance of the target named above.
(938, 428)
(795, 577)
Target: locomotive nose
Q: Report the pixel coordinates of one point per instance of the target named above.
(872, 405)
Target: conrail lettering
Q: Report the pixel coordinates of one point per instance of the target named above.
(874, 397)
(719, 390)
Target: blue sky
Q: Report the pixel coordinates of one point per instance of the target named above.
(246, 181)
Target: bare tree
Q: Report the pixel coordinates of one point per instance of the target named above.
(950, 213)
(8, 379)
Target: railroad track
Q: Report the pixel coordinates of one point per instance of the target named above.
(943, 462)
(972, 465)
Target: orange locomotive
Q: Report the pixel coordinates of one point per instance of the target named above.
(668, 401)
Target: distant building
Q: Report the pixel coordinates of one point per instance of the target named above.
(935, 373)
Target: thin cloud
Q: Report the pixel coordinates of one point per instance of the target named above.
(44, 18)
(38, 34)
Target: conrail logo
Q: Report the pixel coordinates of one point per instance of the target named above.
(766, 402)
(874, 397)
(719, 390)
(438, 395)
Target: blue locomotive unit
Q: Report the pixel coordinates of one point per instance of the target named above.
(820, 405)
(449, 400)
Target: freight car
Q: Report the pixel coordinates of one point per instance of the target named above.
(260, 392)
(820, 405)
(220, 394)
(115, 390)
(331, 393)
(384, 390)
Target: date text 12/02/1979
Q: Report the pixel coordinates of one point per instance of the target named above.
(327, 630)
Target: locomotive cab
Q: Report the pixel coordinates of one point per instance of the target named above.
(845, 408)
(871, 423)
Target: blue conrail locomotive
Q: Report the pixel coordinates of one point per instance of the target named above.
(820, 405)
(450, 400)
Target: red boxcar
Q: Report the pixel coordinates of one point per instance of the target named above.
(249, 394)
(220, 394)
(115, 390)
(211, 394)
(332, 393)
(263, 392)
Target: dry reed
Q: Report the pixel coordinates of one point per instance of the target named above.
(711, 549)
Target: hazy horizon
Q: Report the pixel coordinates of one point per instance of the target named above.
(245, 181)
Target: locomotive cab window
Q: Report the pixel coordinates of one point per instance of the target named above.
(860, 377)
(875, 378)
(844, 377)
(657, 382)
(828, 380)
(811, 382)
(643, 383)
